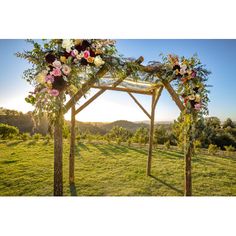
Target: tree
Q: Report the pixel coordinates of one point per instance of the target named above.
(8, 131)
(228, 123)
(160, 135)
(141, 136)
(119, 133)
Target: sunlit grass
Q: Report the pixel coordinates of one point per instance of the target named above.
(26, 169)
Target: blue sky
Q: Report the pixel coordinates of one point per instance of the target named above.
(218, 55)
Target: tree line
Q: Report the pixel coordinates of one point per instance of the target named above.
(209, 132)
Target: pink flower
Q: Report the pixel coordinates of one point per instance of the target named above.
(54, 92)
(49, 78)
(197, 106)
(193, 74)
(66, 69)
(56, 72)
(86, 54)
(57, 64)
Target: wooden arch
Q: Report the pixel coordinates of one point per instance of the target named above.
(154, 91)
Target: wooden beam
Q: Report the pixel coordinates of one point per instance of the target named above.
(116, 83)
(85, 87)
(158, 94)
(137, 102)
(149, 160)
(72, 147)
(123, 89)
(58, 148)
(174, 95)
(89, 101)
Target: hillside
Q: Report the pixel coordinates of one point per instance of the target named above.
(131, 126)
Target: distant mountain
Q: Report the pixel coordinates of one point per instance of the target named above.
(131, 126)
(156, 122)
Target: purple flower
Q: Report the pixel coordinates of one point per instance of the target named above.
(49, 78)
(193, 74)
(197, 106)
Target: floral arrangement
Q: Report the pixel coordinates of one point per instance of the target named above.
(190, 78)
(58, 64)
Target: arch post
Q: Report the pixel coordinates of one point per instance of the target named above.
(72, 147)
(152, 118)
(188, 152)
(58, 148)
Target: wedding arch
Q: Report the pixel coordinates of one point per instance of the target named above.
(70, 68)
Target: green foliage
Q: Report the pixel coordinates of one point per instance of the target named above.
(66, 131)
(119, 133)
(160, 135)
(197, 145)
(229, 149)
(129, 142)
(212, 149)
(229, 123)
(37, 136)
(118, 141)
(141, 136)
(47, 138)
(25, 136)
(167, 145)
(8, 131)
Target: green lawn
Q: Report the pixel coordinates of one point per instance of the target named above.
(26, 169)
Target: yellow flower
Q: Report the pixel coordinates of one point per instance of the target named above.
(90, 59)
(40, 77)
(197, 98)
(191, 97)
(63, 59)
(78, 41)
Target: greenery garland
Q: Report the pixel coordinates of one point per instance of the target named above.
(61, 66)
(189, 76)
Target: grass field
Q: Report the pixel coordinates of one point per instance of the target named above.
(26, 169)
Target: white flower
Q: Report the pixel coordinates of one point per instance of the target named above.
(40, 77)
(183, 69)
(67, 44)
(66, 69)
(57, 64)
(98, 61)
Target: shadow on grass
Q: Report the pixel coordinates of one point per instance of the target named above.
(3, 141)
(168, 185)
(13, 143)
(170, 153)
(73, 190)
(9, 161)
(32, 142)
(82, 146)
(204, 160)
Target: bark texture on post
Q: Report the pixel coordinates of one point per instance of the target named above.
(188, 152)
(149, 160)
(72, 147)
(188, 172)
(58, 150)
(155, 97)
